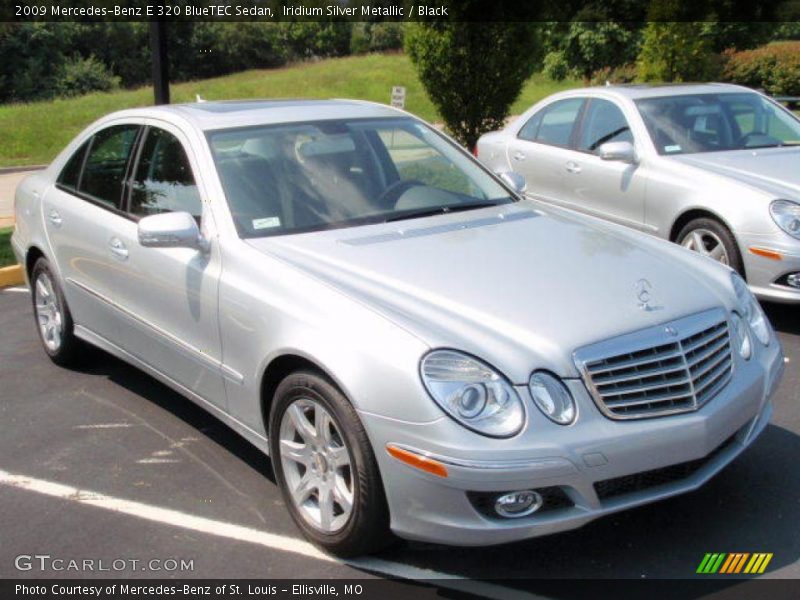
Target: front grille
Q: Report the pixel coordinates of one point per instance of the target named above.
(668, 369)
(628, 484)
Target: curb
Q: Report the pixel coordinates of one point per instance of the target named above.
(11, 276)
(9, 170)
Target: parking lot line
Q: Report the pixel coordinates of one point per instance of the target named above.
(254, 536)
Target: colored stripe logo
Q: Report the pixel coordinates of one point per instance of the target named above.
(734, 563)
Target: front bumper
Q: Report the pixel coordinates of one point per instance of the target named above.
(594, 450)
(766, 276)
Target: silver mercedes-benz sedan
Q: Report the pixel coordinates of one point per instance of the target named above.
(417, 348)
(715, 168)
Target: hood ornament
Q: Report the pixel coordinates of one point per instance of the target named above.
(644, 293)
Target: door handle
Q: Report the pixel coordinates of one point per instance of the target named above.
(117, 248)
(518, 155)
(55, 218)
(573, 167)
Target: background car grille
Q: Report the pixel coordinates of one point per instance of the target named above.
(676, 376)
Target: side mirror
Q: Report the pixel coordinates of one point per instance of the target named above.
(514, 180)
(171, 230)
(619, 151)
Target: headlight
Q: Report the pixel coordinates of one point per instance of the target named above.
(786, 215)
(751, 309)
(473, 393)
(742, 336)
(552, 397)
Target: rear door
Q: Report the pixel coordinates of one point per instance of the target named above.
(169, 296)
(81, 214)
(541, 149)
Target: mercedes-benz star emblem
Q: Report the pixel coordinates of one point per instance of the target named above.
(644, 292)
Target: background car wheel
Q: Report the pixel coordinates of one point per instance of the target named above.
(711, 238)
(325, 467)
(53, 319)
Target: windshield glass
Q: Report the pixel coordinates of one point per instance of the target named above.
(716, 122)
(299, 177)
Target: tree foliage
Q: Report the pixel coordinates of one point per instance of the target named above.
(675, 51)
(473, 72)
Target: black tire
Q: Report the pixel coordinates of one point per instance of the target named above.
(70, 350)
(367, 529)
(722, 232)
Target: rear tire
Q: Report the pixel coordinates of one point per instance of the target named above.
(711, 238)
(53, 318)
(325, 467)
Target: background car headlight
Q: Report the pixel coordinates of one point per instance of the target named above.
(751, 309)
(786, 215)
(473, 393)
(552, 397)
(741, 336)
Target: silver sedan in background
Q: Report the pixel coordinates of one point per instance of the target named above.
(417, 348)
(715, 168)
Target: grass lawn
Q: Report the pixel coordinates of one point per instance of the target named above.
(34, 133)
(6, 254)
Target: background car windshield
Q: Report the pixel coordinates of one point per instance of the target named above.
(716, 122)
(323, 175)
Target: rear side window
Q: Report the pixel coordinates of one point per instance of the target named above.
(164, 180)
(71, 173)
(558, 122)
(107, 162)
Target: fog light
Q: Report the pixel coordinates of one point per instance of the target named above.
(793, 279)
(518, 504)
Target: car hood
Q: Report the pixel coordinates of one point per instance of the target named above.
(518, 286)
(774, 170)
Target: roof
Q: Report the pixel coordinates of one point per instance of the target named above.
(245, 113)
(654, 90)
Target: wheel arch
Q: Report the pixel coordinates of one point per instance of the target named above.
(703, 213)
(276, 371)
(33, 254)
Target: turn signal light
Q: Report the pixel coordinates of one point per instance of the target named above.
(423, 463)
(766, 253)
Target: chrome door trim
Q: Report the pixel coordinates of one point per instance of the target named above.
(196, 354)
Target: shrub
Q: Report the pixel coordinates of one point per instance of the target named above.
(676, 51)
(83, 75)
(774, 68)
(376, 37)
(555, 65)
(473, 72)
(615, 75)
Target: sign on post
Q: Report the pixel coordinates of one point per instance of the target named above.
(398, 96)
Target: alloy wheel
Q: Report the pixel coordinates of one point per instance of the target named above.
(48, 312)
(707, 243)
(316, 465)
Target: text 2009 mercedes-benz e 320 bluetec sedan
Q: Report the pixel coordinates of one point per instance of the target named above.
(416, 348)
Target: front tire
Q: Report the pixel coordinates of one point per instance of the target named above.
(325, 467)
(711, 238)
(53, 318)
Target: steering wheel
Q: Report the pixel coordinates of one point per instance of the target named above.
(743, 139)
(392, 194)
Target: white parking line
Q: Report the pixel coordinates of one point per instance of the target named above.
(104, 426)
(254, 536)
(19, 290)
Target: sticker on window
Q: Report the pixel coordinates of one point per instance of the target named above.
(266, 223)
(675, 148)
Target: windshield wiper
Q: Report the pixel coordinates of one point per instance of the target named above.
(439, 210)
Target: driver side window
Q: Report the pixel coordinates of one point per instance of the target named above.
(603, 123)
(164, 180)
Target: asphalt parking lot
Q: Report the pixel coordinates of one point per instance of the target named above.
(170, 481)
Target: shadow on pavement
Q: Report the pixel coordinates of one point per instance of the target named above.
(784, 317)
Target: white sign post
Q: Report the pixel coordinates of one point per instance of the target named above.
(399, 96)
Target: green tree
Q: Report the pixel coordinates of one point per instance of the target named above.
(473, 72)
(676, 51)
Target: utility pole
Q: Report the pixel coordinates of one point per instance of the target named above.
(158, 50)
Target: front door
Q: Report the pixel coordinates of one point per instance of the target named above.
(169, 295)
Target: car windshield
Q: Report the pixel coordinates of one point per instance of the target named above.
(717, 122)
(300, 177)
